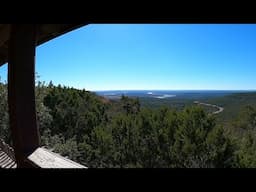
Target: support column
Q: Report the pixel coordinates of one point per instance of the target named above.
(21, 91)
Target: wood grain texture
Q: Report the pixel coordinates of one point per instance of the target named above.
(6, 161)
(46, 159)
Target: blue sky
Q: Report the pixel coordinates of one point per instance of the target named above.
(151, 56)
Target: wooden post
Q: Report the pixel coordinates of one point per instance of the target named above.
(21, 91)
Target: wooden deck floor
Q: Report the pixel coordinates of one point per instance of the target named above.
(41, 158)
(7, 157)
(6, 161)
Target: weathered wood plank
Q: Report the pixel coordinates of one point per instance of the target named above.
(1, 154)
(7, 162)
(7, 159)
(10, 164)
(3, 159)
(5, 148)
(44, 158)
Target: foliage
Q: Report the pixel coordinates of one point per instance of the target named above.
(4, 116)
(98, 132)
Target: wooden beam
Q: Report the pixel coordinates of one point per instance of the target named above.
(21, 91)
(44, 158)
(4, 34)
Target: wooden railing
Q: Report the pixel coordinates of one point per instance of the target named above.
(42, 158)
(7, 149)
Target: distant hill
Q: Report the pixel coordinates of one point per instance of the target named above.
(233, 104)
(171, 98)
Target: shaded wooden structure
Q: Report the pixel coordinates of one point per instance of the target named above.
(7, 156)
(17, 47)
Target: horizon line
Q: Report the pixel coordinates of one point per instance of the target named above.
(173, 90)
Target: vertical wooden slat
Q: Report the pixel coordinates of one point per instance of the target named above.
(21, 91)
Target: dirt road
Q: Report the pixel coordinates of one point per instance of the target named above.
(220, 109)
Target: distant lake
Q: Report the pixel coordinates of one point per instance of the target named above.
(168, 94)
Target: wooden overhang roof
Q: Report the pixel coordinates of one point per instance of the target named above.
(45, 33)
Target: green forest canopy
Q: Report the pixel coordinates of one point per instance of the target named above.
(98, 132)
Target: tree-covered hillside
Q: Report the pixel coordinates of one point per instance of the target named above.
(233, 104)
(98, 132)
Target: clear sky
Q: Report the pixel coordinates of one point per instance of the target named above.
(151, 56)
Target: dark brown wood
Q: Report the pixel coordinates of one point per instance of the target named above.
(45, 33)
(21, 91)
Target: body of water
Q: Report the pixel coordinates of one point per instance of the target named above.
(167, 94)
